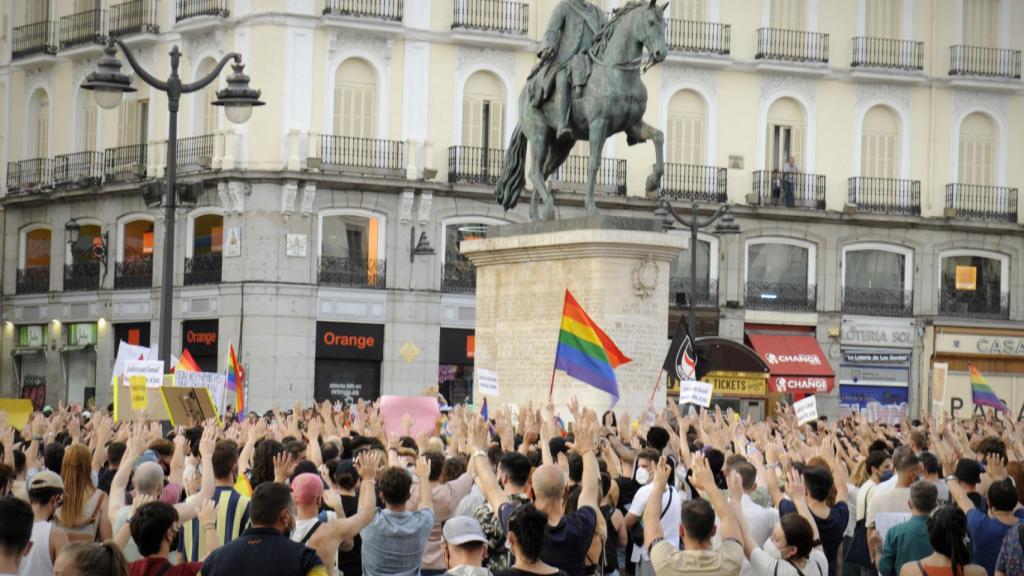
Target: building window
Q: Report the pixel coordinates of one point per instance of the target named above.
(86, 121)
(207, 115)
(352, 250)
(780, 275)
(82, 251)
(36, 251)
(877, 281)
(693, 10)
(882, 18)
(39, 135)
(137, 240)
(483, 117)
(880, 143)
(207, 235)
(787, 14)
(981, 23)
(977, 163)
(785, 134)
(133, 123)
(355, 99)
(686, 126)
(702, 289)
(974, 284)
(459, 274)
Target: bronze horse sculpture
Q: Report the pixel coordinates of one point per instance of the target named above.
(613, 100)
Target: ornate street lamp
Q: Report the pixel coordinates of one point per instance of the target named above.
(96, 251)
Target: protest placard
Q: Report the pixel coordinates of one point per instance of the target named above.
(188, 406)
(806, 410)
(212, 381)
(422, 410)
(153, 370)
(18, 410)
(138, 391)
(696, 393)
(488, 382)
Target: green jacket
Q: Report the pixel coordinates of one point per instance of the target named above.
(906, 542)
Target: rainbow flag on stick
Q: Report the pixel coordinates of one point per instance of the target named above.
(187, 363)
(982, 394)
(585, 352)
(236, 382)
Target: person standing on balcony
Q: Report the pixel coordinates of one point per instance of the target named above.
(789, 172)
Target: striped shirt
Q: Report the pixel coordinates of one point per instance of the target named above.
(232, 520)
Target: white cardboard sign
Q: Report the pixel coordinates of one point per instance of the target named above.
(806, 410)
(488, 382)
(153, 370)
(212, 381)
(696, 393)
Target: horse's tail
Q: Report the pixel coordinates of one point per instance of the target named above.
(512, 180)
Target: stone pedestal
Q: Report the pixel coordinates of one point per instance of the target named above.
(618, 270)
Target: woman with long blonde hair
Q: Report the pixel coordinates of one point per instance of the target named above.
(83, 515)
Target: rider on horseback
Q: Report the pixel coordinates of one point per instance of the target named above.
(571, 32)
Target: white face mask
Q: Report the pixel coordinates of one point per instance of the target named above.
(643, 477)
(772, 549)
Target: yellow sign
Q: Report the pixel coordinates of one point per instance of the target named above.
(737, 383)
(138, 391)
(18, 410)
(966, 278)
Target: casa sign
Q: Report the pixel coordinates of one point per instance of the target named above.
(874, 334)
(988, 344)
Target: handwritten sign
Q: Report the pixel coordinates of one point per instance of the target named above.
(806, 410)
(696, 393)
(152, 370)
(422, 410)
(212, 381)
(138, 391)
(488, 382)
(18, 410)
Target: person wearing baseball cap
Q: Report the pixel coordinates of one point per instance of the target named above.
(464, 545)
(45, 492)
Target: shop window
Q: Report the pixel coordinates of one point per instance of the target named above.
(352, 250)
(877, 281)
(455, 365)
(684, 137)
(355, 99)
(348, 358)
(483, 111)
(780, 275)
(974, 285)
(201, 339)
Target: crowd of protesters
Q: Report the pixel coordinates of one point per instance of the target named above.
(325, 490)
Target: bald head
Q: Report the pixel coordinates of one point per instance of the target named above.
(549, 482)
(149, 479)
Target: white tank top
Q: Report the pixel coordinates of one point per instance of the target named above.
(38, 562)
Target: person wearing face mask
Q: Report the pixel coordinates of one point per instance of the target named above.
(887, 508)
(513, 474)
(154, 529)
(879, 469)
(671, 509)
(233, 514)
(265, 549)
(464, 547)
(987, 530)
(908, 542)
(45, 490)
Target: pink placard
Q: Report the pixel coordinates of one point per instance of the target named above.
(422, 409)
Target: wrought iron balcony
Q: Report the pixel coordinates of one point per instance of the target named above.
(33, 280)
(29, 175)
(975, 202)
(886, 195)
(878, 302)
(87, 27)
(134, 274)
(195, 154)
(789, 189)
(365, 156)
(693, 37)
(351, 272)
(133, 17)
(504, 16)
(78, 170)
(792, 46)
(185, 9)
(985, 302)
(82, 276)
(887, 53)
(984, 62)
(474, 165)
(32, 39)
(575, 173)
(203, 269)
(391, 10)
(695, 183)
(459, 278)
(125, 163)
(684, 291)
(781, 297)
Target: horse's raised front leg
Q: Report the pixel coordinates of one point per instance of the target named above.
(598, 132)
(538, 146)
(643, 131)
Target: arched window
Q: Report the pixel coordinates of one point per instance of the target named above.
(86, 120)
(459, 274)
(880, 143)
(81, 261)
(34, 261)
(205, 249)
(207, 116)
(207, 234)
(702, 288)
(877, 280)
(39, 132)
(788, 14)
(133, 122)
(134, 266)
(355, 99)
(981, 23)
(977, 157)
(882, 18)
(780, 275)
(785, 138)
(686, 126)
(352, 249)
(483, 116)
(974, 283)
(82, 251)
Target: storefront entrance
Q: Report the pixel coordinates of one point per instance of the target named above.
(748, 409)
(30, 363)
(78, 361)
(201, 339)
(348, 358)
(455, 365)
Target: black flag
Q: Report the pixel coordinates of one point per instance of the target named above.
(681, 361)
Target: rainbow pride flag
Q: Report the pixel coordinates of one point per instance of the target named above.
(982, 394)
(187, 363)
(585, 352)
(236, 382)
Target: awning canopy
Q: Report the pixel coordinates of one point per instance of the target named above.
(722, 354)
(797, 363)
(27, 350)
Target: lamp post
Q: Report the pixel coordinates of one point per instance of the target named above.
(727, 226)
(108, 84)
(96, 252)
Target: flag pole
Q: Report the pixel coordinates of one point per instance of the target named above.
(551, 389)
(656, 385)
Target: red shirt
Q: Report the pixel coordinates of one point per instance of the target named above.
(151, 565)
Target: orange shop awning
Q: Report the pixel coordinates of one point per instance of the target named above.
(797, 364)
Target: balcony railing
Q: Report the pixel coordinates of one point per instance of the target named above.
(82, 28)
(351, 272)
(886, 195)
(985, 62)
(505, 16)
(184, 9)
(781, 297)
(887, 53)
(31, 39)
(698, 37)
(195, 154)
(33, 280)
(125, 163)
(78, 170)
(792, 46)
(29, 175)
(986, 302)
(789, 189)
(683, 291)
(575, 173)
(474, 165)
(361, 155)
(891, 302)
(459, 277)
(82, 276)
(133, 17)
(134, 274)
(982, 202)
(391, 10)
(695, 183)
(203, 269)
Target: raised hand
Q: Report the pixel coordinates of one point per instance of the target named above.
(735, 483)
(663, 473)
(702, 479)
(368, 464)
(995, 467)
(795, 485)
(207, 513)
(208, 443)
(423, 469)
(283, 465)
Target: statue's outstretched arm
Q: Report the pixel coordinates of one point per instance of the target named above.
(549, 45)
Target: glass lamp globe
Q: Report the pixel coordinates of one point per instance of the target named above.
(106, 98)
(238, 114)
